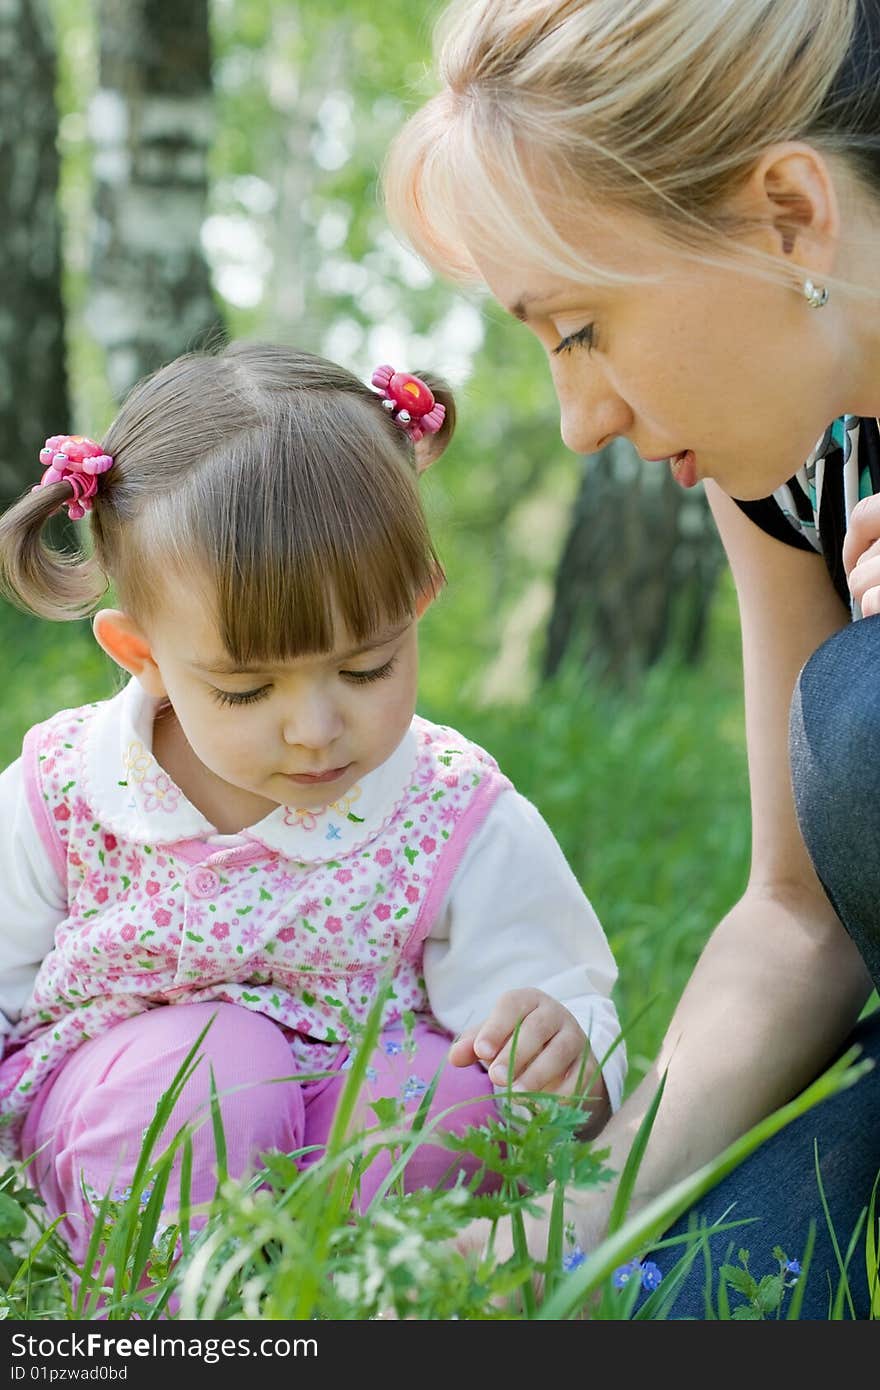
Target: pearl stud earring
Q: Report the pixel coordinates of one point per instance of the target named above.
(815, 295)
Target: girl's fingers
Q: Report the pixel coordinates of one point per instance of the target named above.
(534, 1034)
(552, 1069)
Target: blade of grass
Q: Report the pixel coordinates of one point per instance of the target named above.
(872, 1257)
(843, 1285)
(633, 1163)
(800, 1288)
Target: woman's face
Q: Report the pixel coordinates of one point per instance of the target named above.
(715, 372)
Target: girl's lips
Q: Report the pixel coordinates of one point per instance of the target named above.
(312, 779)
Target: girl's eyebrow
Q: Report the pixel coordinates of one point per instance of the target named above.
(224, 666)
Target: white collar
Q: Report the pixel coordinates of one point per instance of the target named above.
(133, 796)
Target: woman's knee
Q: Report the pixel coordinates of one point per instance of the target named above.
(835, 731)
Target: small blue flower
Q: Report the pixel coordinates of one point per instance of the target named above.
(622, 1275)
(648, 1274)
(793, 1267)
(573, 1259)
(332, 833)
(391, 1049)
(414, 1088)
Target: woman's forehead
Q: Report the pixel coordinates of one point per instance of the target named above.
(585, 258)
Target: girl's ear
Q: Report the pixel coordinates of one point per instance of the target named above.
(123, 641)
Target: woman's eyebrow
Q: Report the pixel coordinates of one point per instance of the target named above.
(548, 300)
(519, 308)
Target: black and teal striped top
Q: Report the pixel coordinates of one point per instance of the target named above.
(812, 510)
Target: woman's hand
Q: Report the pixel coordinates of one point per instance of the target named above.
(861, 555)
(550, 1045)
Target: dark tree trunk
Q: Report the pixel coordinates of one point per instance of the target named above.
(152, 125)
(33, 380)
(638, 570)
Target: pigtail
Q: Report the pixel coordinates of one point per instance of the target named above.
(35, 575)
(431, 446)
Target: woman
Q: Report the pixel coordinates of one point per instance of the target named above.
(681, 200)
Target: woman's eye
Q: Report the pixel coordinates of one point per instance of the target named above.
(364, 677)
(584, 337)
(240, 697)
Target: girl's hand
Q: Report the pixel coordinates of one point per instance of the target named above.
(551, 1046)
(861, 555)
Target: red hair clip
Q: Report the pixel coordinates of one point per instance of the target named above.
(410, 402)
(73, 459)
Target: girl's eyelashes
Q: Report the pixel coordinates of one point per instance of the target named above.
(240, 697)
(249, 697)
(584, 337)
(364, 677)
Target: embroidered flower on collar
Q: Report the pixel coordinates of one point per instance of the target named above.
(137, 761)
(306, 820)
(160, 793)
(345, 803)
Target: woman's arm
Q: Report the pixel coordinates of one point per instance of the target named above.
(779, 984)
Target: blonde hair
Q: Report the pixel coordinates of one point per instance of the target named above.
(272, 475)
(660, 107)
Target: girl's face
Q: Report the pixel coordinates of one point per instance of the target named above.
(735, 370)
(299, 732)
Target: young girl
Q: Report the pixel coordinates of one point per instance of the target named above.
(258, 828)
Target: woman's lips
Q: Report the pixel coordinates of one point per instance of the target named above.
(312, 779)
(683, 467)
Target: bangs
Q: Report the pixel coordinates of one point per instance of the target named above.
(307, 538)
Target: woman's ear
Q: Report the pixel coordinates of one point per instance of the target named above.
(792, 191)
(121, 638)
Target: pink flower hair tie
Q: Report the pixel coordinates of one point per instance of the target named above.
(410, 402)
(73, 459)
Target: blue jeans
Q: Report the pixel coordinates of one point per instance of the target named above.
(835, 761)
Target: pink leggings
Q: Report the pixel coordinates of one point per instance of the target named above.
(90, 1118)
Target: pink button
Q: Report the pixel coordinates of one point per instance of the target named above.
(203, 883)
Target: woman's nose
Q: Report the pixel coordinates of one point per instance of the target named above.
(591, 413)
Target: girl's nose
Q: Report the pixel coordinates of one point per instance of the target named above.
(314, 722)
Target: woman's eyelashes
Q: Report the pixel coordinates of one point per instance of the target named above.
(584, 337)
(249, 697)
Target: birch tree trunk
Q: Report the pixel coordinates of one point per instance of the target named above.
(638, 570)
(152, 126)
(33, 380)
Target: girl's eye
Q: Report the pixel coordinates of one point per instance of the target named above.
(584, 337)
(240, 697)
(364, 677)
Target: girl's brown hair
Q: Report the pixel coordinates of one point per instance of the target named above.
(270, 474)
(658, 107)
